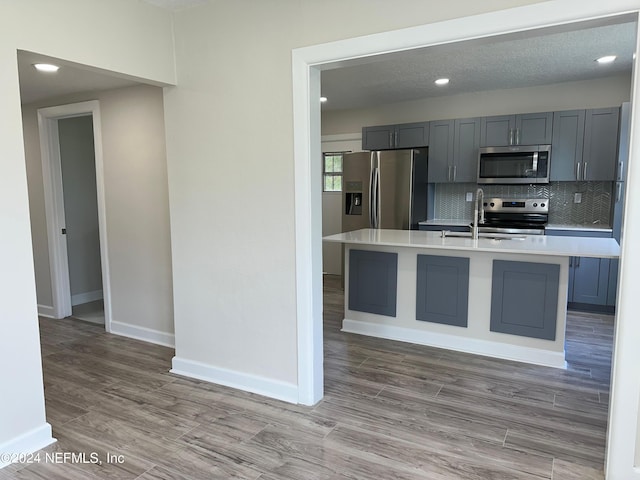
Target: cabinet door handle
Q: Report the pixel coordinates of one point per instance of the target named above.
(448, 173)
(511, 136)
(455, 170)
(618, 191)
(577, 261)
(571, 261)
(517, 136)
(396, 140)
(584, 171)
(578, 171)
(391, 144)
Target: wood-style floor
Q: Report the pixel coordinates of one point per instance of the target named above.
(391, 411)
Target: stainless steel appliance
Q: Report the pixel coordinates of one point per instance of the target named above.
(385, 189)
(526, 216)
(517, 164)
(619, 195)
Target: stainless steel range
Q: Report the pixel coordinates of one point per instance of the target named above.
(526, 216)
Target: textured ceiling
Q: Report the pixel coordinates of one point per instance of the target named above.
(176, 4)
(519, 60)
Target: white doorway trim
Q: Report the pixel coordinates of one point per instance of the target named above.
(307, 63)
(54, 203)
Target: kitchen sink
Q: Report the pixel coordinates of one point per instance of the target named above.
(490, 236)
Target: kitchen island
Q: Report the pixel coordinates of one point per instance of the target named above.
(501, 296)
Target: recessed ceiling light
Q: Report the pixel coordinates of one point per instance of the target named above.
(442, 81)
(46, 67)
(323, 99)
(606, 59)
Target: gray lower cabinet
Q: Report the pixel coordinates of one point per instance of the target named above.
(442, 289)
(524, 298)
(373, 282)
(588, 277)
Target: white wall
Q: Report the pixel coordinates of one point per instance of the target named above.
(606, 92)
(137, 205)
(130, 37)
(234, 262)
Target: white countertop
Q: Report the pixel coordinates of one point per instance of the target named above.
(524, 244)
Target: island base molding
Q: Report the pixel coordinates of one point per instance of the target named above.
(456, 343)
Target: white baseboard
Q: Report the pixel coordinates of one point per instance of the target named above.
(26, 443)
(287, 392)
(144, 334)
(86, 297)
(46, 311)
(454, 342)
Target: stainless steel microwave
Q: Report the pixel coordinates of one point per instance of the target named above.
(516, 164)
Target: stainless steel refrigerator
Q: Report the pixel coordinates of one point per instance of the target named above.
(386, 189)
(619, 195)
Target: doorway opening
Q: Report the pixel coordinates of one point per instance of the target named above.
(73, 176)
(307, 64)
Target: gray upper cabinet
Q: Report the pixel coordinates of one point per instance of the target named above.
(497, 131)
(523, 129)
(600, 144)
(440, 151)
(390, 137)
(585, 145)
(378, 138)
(566, 145)
(465, 149)
(453, 150)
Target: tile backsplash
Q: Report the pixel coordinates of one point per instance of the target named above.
(594, 209)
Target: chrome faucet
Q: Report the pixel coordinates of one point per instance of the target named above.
(478, 213)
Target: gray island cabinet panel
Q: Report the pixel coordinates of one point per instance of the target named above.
(373, 281)
(524, 298)
(442, 289)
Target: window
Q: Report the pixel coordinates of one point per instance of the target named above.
(332, 172)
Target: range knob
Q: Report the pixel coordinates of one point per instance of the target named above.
(535, 205)
(493, 204)
(542, 205)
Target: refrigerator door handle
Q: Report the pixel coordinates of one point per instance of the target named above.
(372, 174)
(376, 190)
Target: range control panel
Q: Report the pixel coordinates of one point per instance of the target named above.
(516, 205)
